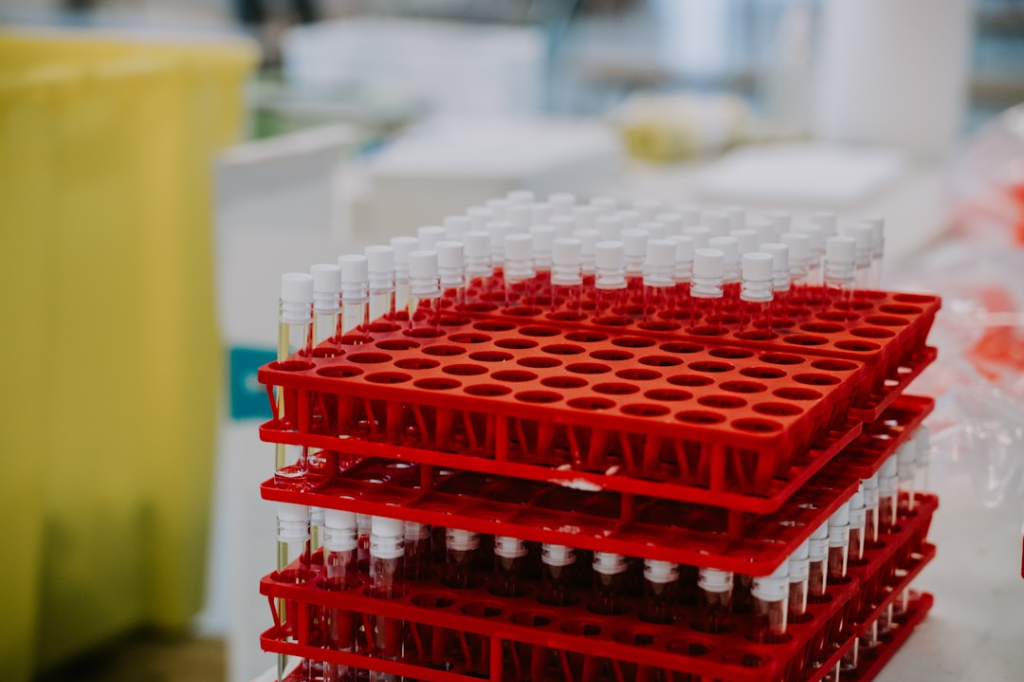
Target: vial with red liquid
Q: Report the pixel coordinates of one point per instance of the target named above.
(387, 581)
(714, 601)
(771, 605)
(609, 593)
(661, 592)
(799, 572)
(462, 558)
(417, 551)
(817, 563)
(556, 575)
(340, 574)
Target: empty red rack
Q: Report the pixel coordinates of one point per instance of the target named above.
(675, 419)
(886, 330)
(500, 638)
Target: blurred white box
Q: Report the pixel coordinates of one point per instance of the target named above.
(445, 166)
(456, 68)
(276, 211)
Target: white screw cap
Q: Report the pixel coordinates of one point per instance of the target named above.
(841, 250)
(520, 196)
(354, 268)
(610, 255)
(634, 241)
(450, 254)
(455, 226)
(728, 246)
(708, 263)
(747, 240)
(655, 230)
(799, 246)
(610, 227)
(826, 220)
(422, 265)
(699, 234)
(297, 287)
(661, 253)
(477, 244)
(518, 247)
(326, 278)
(380, 259)
(335, 519)
(718, 222)
(757, 267)
(402, 247)
(564, 226)
(567, 252)
(684, 248)
(429, 236)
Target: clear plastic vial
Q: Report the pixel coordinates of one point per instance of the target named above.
(799, 246)
(771, 605)
(780, 221)
(839, 543)
(714, 601)
(451, 271)
(417, 550)
(839, 270)
(564, 226)
(861, 233)
(706, 287)
(556, 574)
(817, 558)
(543, 243)
(609, 591)
(429, 236)
(699, 234)
(355, 295)
(905, 460)
(510, 557)
(922, 459)
(718, 222)
(815, 252)
(661, 592)
(888, 490)
(456, 226)
(293, 566)
(567, 277)
(729, 246)
(294, 349)
(477, 255)
(340, 574)
(380, 264)
(780, 274)
(756, 290)
(586, 217)
(609, 227)
(870, 488)
(424, 292)
(799, 572)
(654, 229)
(659, 283)
(387, 572)
(673, 223)
(589, 240)
(877, 224)
(326, 302)
(519, 271)
(683, 271)
(610, 279)
(462, 558)
(402, 247)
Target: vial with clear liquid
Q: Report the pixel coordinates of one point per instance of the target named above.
(714, 601)
(661, 592)
(340, 574)
(355, 297)
(402, 247)
(510, 557)
(609, 591)
(567, 278)
(556, 574)
(706, 289)
(387, 581)
(424, 292)
(380, 265)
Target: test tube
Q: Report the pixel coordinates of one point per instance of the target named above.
(654, 229)
(424, 291)
(747, 241)
(905, 461)
(817, 558)
(498, 231)
(520, 216)
(781, 221)
(293, 566)
(771, 605)
(683, 271)
(566, 277)
(799, 246)
(294, 348)
(661, 591)
(355, 296)
(543, 242)
(586, 217)
(737, 217)
(877, 224)
(756, 292)
(815, 251)
(610, 278)
(326, 302)
(429, 236)
(826, 221)
(856, 544)
(510, 556)
(706, 285)
(699, 234)
(922, 458)
(564, 226)
(780, 280)
(673, 223)
(451, 271)
(799, 571)
(714, 601)
(479, 216)
(520, 196)
(499, 208)
(462, 558)
(417, 550)
(588, 253)
(647, 208)
(634, 242)
(729, 247)
(477, 255)
(689, 213)
(839, 270)
(630, 219)
(402, 247)
(609, 227)
(609, 591)
(888, 489)
(562, 203)
(387, 571)
(455, 226)
(870, 486)
(718, 222)
(340, 575)
(659, 284)
(765, 230)
(839, 543)
(519, 271)
(380, 264)
(861, 233)
(556, 574)
(364, 524)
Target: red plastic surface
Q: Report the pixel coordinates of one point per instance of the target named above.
(680, 420)
(489, 637)
(624, 524)
(885, 329)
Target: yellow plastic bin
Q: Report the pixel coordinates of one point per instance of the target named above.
(111, 361)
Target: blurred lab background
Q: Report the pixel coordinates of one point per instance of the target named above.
(163, 161)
